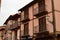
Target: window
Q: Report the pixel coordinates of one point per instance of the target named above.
(42, 24)
(26, 28)
(42, 6)
(15, 34)
(24, 14)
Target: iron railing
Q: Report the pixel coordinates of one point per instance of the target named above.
(15, 25)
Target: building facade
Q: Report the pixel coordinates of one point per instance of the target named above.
(13, 27)
(2, 32)
(34, 22)
(37, 20)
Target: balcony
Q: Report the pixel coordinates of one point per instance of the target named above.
(40, 34)
(14, 26)
(26, 37)
(25, 19)
(41, 13)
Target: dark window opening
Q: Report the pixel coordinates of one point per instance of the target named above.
(42, 6)
(15, 34)
(25, 14)
(26, 29)
(42, 24)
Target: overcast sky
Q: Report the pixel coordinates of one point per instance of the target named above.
(10, 7)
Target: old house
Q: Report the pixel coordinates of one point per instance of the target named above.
(2, 32)
(37, 21)
(13, 27)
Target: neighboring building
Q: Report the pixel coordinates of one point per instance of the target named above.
(2, 32)
(13, 27)
(37, 21)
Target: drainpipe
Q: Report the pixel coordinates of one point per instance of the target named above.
(54, 24)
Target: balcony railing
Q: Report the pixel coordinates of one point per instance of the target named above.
(41, 9)
(15, 25)
(40, 13)
(37, 28)
(24, 37)
(38, 33)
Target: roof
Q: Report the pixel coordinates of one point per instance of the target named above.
(9, 18)
(12, 17)
(2, 27)
(16, 16)
(28, 5)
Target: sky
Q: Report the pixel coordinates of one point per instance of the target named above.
(10, 7)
